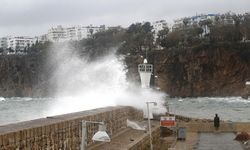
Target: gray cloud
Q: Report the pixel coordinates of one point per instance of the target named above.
(32, 17)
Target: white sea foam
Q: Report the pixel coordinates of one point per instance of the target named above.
(20, 99)
(2, 99)
(83, 85)
(223, 99)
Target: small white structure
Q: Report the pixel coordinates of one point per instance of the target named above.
(100, 136)
(248, 83)
(145, 71)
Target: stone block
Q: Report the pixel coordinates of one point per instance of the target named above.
(1, 140)
(11, 138)
(28, 134)
(5, 140)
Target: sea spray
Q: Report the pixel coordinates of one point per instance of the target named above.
(82, 84)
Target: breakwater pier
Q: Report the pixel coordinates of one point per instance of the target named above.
(64, 132)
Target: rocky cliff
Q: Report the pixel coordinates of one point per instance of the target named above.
(23, 75)
(182, 73)
(189, 73)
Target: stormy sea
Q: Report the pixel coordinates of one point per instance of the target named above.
(229, 108)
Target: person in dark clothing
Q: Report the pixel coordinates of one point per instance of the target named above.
(216, 122)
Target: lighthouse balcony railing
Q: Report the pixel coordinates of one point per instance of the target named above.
(145, 68)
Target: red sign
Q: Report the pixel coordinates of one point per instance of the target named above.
(167, 121)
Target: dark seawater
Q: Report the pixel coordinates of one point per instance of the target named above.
(228, 108)
(21, 109)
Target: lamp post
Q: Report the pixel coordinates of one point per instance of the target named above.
(101, 135)
(149, 124)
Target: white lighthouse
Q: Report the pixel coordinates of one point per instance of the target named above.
(145, 71)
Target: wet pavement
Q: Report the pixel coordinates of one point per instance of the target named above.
(189, 143)
(126, 139)
(217, 141)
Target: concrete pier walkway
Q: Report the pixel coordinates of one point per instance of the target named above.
(189, 143)
(131, 139)
(217, 141)
(201, 135)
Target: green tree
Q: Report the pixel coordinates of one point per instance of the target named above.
(245, 26)
(91, 31)
(10, 50)
(174, 39)
(148, 36)
(228, 33)
(139, 37)
(185, 22)
(161, 37)
(1, 50)
(101, 43)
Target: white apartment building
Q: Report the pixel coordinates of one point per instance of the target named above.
(158, 26)
(19, 43)
(195, 21)
(4, 42)
(57, 34)
(225, 19)
(73, 33)
(61, 34)
(41, 39)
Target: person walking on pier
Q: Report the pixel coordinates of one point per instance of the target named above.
(216, 122)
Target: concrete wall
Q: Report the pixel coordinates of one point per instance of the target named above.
(207, 125)
(239, 127)
(143, 143)
(63, 131)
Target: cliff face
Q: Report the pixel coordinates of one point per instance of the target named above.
(204, 73)
(22, 76)
(182, 73)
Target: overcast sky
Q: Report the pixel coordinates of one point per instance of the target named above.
(35, 17)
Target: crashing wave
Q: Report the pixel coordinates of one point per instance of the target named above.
(2, 99)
